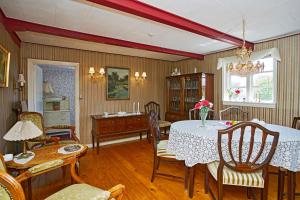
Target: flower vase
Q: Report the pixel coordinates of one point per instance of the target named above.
(203, 115)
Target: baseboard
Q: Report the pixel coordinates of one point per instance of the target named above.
(117, 141)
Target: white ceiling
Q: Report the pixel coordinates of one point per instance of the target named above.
(265, 19)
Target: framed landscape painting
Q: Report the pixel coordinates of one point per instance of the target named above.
(117, 83)
(4, 66)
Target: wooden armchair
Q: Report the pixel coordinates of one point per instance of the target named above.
(246, 169)
(233, 113)
(153, 106)
(38, 120)
(10, 187)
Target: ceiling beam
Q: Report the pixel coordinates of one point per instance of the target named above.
(19, 25)
(155, 14)
(12, 34)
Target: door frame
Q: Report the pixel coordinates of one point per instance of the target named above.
(31, 86)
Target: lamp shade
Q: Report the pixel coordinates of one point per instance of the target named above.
(23, 130)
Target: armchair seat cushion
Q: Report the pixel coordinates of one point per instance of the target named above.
(163, 124)
(162, 150)
(45, 166)
(80, 192)
(231, 177)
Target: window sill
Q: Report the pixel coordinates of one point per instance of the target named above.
(250, 104)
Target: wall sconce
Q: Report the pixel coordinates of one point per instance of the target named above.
(96, 75)
(20, 82)
(137, 76)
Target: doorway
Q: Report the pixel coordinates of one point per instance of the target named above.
(53, 91)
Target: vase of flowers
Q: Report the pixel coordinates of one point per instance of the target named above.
(233, 93)
(203, 106)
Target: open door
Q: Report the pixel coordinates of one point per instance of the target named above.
(35, 89)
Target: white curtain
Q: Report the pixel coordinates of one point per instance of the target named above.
(273, 52)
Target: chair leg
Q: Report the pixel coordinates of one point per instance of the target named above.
(248, 193)
(220, 190)
(158, 163)
(281, 176)
(93, 141)
(141, 136)
(264, 191)
(64, 170)
(155, 167)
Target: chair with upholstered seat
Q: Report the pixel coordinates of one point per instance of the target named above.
(247, 158)
(233, 113)
(11, 189)
(38, 120)
(153, 106)
(283, 172)
(160, 148)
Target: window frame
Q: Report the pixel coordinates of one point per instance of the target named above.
(249, 86)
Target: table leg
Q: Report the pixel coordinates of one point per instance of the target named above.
(280, 184)
(291, 185)
(97, 145)
(93, 140)
(29, 189)
(186, 178)
(191, 181)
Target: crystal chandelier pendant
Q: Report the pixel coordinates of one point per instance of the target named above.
(245, 66)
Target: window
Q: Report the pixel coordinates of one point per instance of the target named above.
(258, 90)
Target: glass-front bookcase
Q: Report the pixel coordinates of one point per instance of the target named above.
(184, 91)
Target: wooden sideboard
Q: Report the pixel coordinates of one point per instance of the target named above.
(114, 126)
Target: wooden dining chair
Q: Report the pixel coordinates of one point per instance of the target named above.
(233, 113)
(10, 187)
(153, 106)
(283, 172)
(247, 169)
(194, 114)
(160, 149)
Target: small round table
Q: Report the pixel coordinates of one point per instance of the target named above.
(194, 144)
(42, 155)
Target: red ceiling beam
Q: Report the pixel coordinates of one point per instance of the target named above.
(153, 13)
(12, 34)
(19, 25)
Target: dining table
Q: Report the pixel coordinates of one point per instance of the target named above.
(194, 143)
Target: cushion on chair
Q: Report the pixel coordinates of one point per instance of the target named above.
(2, 166)
(80, 192)
(45, 166)
(4, 193)
(163, 124)
(162, 150)
(231, 177)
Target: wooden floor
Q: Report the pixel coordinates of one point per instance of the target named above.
(131, 165)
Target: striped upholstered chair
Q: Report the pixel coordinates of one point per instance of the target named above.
(246, 169)
(11, 189)
(160, 150)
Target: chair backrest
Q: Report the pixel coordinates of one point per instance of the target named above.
(246, 161)
(10, 188)
(233, 113)
(194, 114)
(152, 106)
(35, 117)
(296, 123)
(154, 129)
(2, 164)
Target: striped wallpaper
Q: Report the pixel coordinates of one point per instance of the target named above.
(93, 93)
(288, 96)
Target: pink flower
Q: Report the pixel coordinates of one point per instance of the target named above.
(237, 91)
(203, 103)
(228, 123)
(198, 105)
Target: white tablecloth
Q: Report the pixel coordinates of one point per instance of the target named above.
(195, 144)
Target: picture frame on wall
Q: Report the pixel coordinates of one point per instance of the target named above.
(117, 83)
(4, 66)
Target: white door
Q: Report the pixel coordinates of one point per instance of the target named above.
(38, 89)
(35, 89)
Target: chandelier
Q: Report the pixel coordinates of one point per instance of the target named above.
(245, 66)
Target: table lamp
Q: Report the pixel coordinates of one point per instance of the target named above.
(22, 131)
